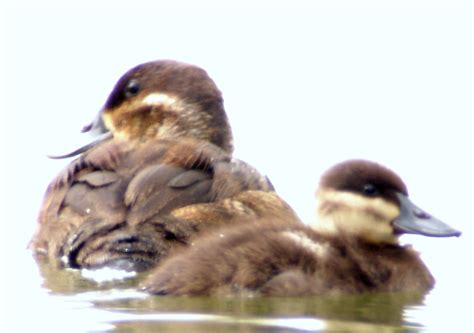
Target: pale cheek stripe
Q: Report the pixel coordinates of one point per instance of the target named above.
(359, 203)
(156, 99)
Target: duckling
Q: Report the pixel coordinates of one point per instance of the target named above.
(161, 172)
(353, 247)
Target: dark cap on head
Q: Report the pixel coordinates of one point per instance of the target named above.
(167, 76)
(372, 180)
(363, 177)
(162, 99)
(189, 83)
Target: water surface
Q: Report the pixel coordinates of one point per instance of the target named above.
(66, 301)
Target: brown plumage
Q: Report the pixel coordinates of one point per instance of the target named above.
(163, 172)
(339, 254)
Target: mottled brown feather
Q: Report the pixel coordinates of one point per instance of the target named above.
(115, 197)
(260, 259)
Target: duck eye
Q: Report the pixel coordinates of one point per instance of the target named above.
(132, 88)
(370, 190)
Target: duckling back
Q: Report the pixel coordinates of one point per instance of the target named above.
(286, 260)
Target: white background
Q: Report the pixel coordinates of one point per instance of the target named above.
(305, 84)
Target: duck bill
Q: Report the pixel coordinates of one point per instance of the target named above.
(97, 129)
(414, 220)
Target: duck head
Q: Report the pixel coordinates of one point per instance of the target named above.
(162, 99)
(367, 201)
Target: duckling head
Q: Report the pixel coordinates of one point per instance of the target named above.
(368, 201)
(162, 99)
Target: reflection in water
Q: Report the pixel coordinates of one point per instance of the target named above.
(71, 281)
(118, 305)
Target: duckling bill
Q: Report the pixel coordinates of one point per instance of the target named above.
(413, 220)
(162, 172)
(362, 209)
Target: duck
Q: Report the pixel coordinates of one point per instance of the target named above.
(353, 246)
(160, 172)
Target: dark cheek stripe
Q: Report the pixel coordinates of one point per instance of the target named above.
(374, 213)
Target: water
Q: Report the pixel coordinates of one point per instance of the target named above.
(44, 299)
(78, 303)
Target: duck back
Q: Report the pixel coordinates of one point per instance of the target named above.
(130, 205)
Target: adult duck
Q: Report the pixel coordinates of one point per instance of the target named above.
(162, 171)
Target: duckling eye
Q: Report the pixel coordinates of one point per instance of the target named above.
(370, 190)
(132, 88)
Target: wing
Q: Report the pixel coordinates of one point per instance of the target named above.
(158, 189)
(239, 194)
(130, 205)
(88, 191)
(117, 184)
